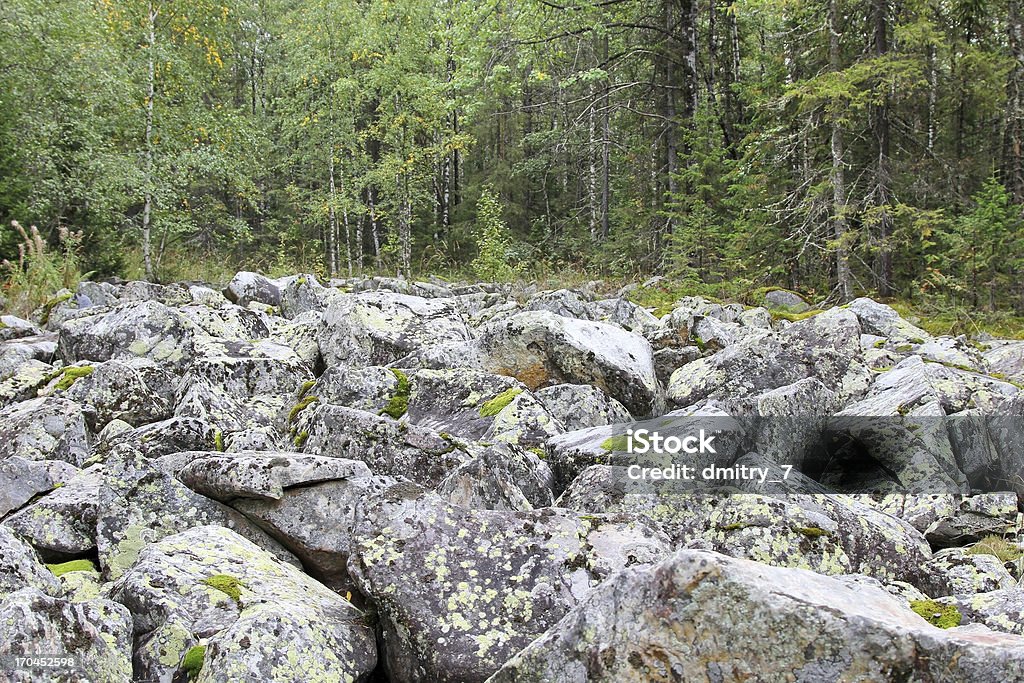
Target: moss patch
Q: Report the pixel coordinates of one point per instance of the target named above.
(300, 438)
(795, 317)
(69, 375)
(52, 304)
(399, 402)
(226, 584)
(1003, 550)
(73, 566)
(937, 614)
(300, 406)
(499, 402)
(306, 386)
(192, 663)
(218, 440)
(616, 443)
(812, 531)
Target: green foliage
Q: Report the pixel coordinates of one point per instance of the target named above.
(497, 142)
(936, 613)
(399, 402)
(998, 546)
(39, 271)
(192, 662)
(499, 402)
(494, 251)
(73, 566)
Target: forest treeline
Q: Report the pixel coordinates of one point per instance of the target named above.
(837, 147)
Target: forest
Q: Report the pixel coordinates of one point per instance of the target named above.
(835, 147)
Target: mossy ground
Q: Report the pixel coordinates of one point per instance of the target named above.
(937, 614)
(499, 402)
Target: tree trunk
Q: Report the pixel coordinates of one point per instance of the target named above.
(838, 176)
(671, 150)
(332, 224)
(1013, 163)
(606, 143)
(147, 209)
(883, 175)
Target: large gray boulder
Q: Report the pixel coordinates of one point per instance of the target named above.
(20, 567)
(540, 349)
(147, 503)
(386, 446)
(578, 406)
(146, 329)
(258, 618)
(378, 328)
(96, 634)
(45, 428)
(136, 390)
(701, 616)
(825, 346)
(247, 286)
(487, 582)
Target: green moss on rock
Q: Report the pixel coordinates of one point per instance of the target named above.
(52, 304)
(192, 663)
(795, 317)
(300, 406)
(618, 443)
(306, 386)
(226, 584)
(399, 402)
(218, 441)
(300, 438)
(937, 614)
(73, 566)
(499, 402)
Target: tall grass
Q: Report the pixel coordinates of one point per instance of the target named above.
(40, 272)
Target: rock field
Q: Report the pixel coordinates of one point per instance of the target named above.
(381, 480)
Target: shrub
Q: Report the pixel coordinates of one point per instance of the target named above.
(494, 260)
(40, 272)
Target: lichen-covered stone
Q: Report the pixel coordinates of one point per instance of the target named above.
(703, 616)
(281, 625)
(386, 446)
(96, 633)
(45, 428)
(377, 328)
(578, 406)
(487, 582)
(147, 329)
(148, 504)
(541, 349)
(21, 480)
(20, 567)
(500, 477)
(62, 524)
(265, 476)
